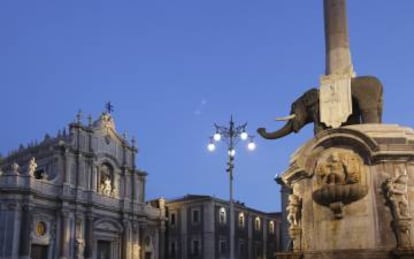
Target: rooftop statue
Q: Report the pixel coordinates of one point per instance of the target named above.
(343, 98)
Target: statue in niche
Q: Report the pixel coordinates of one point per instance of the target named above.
(293, 209)
(396, 193)
(106, 180)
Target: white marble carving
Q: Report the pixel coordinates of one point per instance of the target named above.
(32, 166)
(335, 99)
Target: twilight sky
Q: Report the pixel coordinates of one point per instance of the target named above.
(174, 68)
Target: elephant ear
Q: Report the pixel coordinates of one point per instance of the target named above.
(299, 109)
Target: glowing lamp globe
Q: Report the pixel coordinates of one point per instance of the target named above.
(217, 136)
(211, 147)
(251, 146)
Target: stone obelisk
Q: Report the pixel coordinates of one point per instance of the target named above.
(338, 54)
(335, 89)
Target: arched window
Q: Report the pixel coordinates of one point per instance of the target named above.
(241, 220)
(222, 216)
(257, 224)
(271, 227)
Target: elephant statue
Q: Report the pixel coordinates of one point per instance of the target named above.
(366, 107)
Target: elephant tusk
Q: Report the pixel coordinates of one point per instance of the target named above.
(286, 118)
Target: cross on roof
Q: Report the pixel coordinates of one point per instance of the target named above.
(109, 107)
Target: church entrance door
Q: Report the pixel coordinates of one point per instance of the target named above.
(39, 252)
(104, 250)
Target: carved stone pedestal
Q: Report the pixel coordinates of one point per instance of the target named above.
(351, 189)
(295, 233)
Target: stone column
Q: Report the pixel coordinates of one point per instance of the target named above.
(65, 232)
(94, 177)
(126, 240)
(265, 231)
(12, 230)
(184, 224)
(338, 55)
(136, 246)
(162, 244)
(250, 236)
(80, 236)
(24, 249)
(68, 161)
(284, 225)
(209, 247)
(90, 237)
(142, 188)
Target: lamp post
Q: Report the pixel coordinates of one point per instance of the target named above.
(231, 136)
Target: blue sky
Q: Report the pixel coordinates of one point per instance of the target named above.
(174, 68)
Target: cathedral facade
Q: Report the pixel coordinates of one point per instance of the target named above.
(78, 195)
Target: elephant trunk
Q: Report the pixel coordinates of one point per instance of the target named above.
(285, 130)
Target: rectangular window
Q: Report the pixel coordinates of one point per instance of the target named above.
(242, 248)
(196, 247)
(258, 250)
(241, 220)
(172, 219)
(173, 249)
(222, 247)
(271, 227)
(195, 216)
(222, 216)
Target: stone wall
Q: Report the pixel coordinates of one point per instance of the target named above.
(351, 192)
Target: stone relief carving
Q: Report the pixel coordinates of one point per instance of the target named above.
(293, 209)
(395, 192)
(335, 99)
(339, 180)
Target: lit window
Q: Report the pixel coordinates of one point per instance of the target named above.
(222, 216)
(257, 224)
(271, 227)
(241, 220)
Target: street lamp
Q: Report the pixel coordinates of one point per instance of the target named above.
(231, 136)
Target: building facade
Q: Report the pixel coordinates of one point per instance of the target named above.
(78, 195)
(198, 228)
